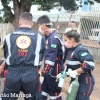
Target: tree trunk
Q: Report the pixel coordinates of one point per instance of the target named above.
(19, 8)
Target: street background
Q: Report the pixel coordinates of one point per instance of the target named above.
(95, 95)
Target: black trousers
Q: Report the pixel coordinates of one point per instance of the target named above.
(21, 78)
(50, 85)
(86, 85)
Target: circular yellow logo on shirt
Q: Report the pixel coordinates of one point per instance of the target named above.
(23, 42)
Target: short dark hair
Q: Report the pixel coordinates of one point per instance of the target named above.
(72, 22)
(26, 16)
(73, 34)
(44, 20)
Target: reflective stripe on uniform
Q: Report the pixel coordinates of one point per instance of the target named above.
(9, 49)
(37, 51)
(49, 62)
(63, 48)
(59, 40)
(90, 63)
(44, 93)
(55, 97)
(72, 62)
(40, 63)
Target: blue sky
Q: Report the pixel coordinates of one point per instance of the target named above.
(85, 7)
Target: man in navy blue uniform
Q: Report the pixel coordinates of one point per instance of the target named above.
(23, 51)
(53, 59)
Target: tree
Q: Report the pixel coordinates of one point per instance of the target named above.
(45, 5)
(97, 1)
(12, 14)
(20, 6)
(1, 20)
(69, 5)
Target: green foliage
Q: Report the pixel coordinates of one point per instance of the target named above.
(97, 1)
(1, 20)
(7, 17)
(45, 5)
(69, 5)
(25, 5)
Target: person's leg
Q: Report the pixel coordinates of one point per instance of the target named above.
(39, 95)
(85, 89)
(30, 90)
(44, 88)
(30, 84)
(53, 90)
(5, 73)
(12, 86)
(55, 96)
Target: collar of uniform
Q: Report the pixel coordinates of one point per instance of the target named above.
(24, 28)
(77, 46)
(50, 34)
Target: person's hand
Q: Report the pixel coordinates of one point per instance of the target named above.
(72, 73)
(58, 76)
(2, 66)
(62, 74)
(41, 77)
(1, 69)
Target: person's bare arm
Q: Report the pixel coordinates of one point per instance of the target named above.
(79, 71)
(2, 66)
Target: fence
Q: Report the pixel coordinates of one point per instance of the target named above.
(88, 24)
(89, 28)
